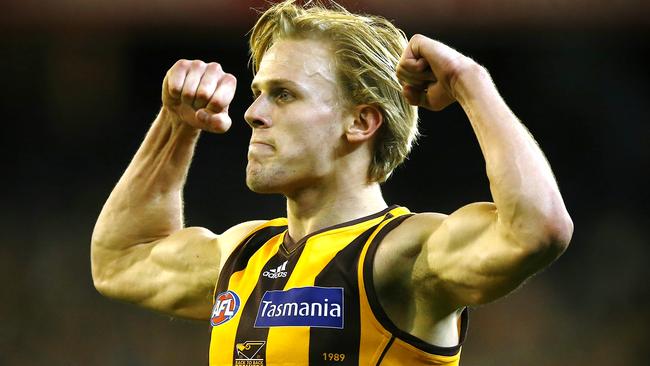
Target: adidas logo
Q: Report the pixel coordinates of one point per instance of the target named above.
(276, 272)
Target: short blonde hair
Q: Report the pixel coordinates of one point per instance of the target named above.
(367, 49)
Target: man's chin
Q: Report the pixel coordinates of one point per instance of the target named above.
(261, 187)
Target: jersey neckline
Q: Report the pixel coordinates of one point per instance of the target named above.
(289, 246)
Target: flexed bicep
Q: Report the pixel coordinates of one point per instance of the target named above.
(174, 275)
(472, 259)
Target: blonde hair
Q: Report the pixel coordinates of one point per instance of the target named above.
(367, 49)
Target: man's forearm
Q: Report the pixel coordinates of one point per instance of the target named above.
(146, 203)
(523, 186)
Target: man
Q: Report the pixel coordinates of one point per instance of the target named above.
(344, 279)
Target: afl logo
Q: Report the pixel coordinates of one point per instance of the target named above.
(225, 308)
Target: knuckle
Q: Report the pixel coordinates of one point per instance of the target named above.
(229, 78)
(197, 64)
(215, 66)
(182, 63)
(175, 89)
(216, 104)
(179, 66)
(187, 94)
(202, 95)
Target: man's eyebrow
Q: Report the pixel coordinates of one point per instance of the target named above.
(270, 83)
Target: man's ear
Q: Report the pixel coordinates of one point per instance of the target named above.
(367, 120)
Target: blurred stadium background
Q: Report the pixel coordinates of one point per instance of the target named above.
(81, 84)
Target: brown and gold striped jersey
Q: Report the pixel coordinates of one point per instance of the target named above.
(312, 303)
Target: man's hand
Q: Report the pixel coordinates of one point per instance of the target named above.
(428, 71)
(199, 94)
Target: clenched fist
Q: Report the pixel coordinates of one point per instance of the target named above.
(199, 94)
(429, 71)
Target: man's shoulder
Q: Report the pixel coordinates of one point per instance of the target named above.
(404, 242)
(240, 231)
(416, 228)
(236, 234)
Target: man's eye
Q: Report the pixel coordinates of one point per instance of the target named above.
(284, 95)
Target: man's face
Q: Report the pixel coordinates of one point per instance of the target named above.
(298, 119)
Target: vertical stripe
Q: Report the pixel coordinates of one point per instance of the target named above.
(374, 337)
(329, 346)
(233, 277)
(368, 265)
(246, 331)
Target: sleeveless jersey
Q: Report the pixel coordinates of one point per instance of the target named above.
(315, 304)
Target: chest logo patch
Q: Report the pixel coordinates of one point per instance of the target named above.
(320, 307)
(249, 353)
(225, 308)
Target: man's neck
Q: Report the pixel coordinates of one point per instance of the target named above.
(314, 209)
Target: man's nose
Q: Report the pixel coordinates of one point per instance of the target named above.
(257, 114)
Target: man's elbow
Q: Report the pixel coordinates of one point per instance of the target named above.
(560, 231)
(111, 286)
(545, 236)
(554, 236)
(99, 270)
(101, 286)
(100, 280)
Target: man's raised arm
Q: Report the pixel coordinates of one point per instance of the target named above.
(140, 251)
(484, 250)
